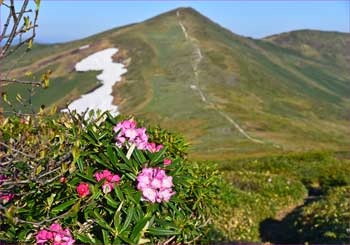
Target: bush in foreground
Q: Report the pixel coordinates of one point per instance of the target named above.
(66, 179)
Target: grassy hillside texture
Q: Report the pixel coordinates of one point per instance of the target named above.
(229, 95)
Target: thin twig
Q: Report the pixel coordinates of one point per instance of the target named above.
(20, 81)
(16, 19)
(22, 153)
(21, 31)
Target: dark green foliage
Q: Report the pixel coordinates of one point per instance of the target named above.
(175, 143)
(327, 220)
(41, 197)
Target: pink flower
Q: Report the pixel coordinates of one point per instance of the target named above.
(55, 235)
(83, 189)
(43, 236)
(159, 173)
(113, 178)
(141, 133)
(55, 227)
(102, 175)
(6, 198)
(166, 194)
(155, 185)
(143, 181)
(149, 194)
(152, 147)
(131, 134)
(109, 180)
(140, 144)
(107, 187)
(167, 182)
(128, 133)
(167, 161)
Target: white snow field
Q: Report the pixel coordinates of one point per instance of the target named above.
(100, 98)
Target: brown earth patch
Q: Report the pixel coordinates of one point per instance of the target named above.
(117, 98)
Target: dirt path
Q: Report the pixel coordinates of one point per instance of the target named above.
(281, 229)
(196, 60)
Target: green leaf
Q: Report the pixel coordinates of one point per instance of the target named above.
(23, 234)
(26, 22)
(118, 193)
(125, 239)
(30, 44)
(100, 220)
(128, 219)
(63, 206)
(111, 118)
(162, 232)
(111, 202)
(74, 210)
(117, 220)
(50, 199)
(137, 232)
(4, 97)
(158, 156)
(131, 176)
(122, 155)
(19, 98)
(101, 136)
(80, 165)
(139, 156)
(37, 3)
(105, 235)
(75, 153)
(90, 139)
(100, 161)
(87, 178)
(38, 170)
(117, 241)
(85, 239)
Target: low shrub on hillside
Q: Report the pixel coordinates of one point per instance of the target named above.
(257, 196)
(315, 169)
(175, 143)
(66, 179)
(326, 221)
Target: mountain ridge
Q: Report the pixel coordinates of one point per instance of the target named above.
(275, 94)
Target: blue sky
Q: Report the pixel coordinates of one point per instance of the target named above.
(69, 20)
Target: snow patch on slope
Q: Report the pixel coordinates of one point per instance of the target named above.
(100, 98)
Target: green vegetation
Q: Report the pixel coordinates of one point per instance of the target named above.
(291, 91)
(326, 221)
(279, 199)
(59, 154)
(316, 170)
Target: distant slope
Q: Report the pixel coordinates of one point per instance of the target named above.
(327, 47)
(230, 96)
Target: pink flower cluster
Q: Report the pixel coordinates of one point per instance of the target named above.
(7, 197)
(110, 179)
(155, 185)
(127, 132)
(55, 235)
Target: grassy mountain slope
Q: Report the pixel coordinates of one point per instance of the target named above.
(230, 96)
